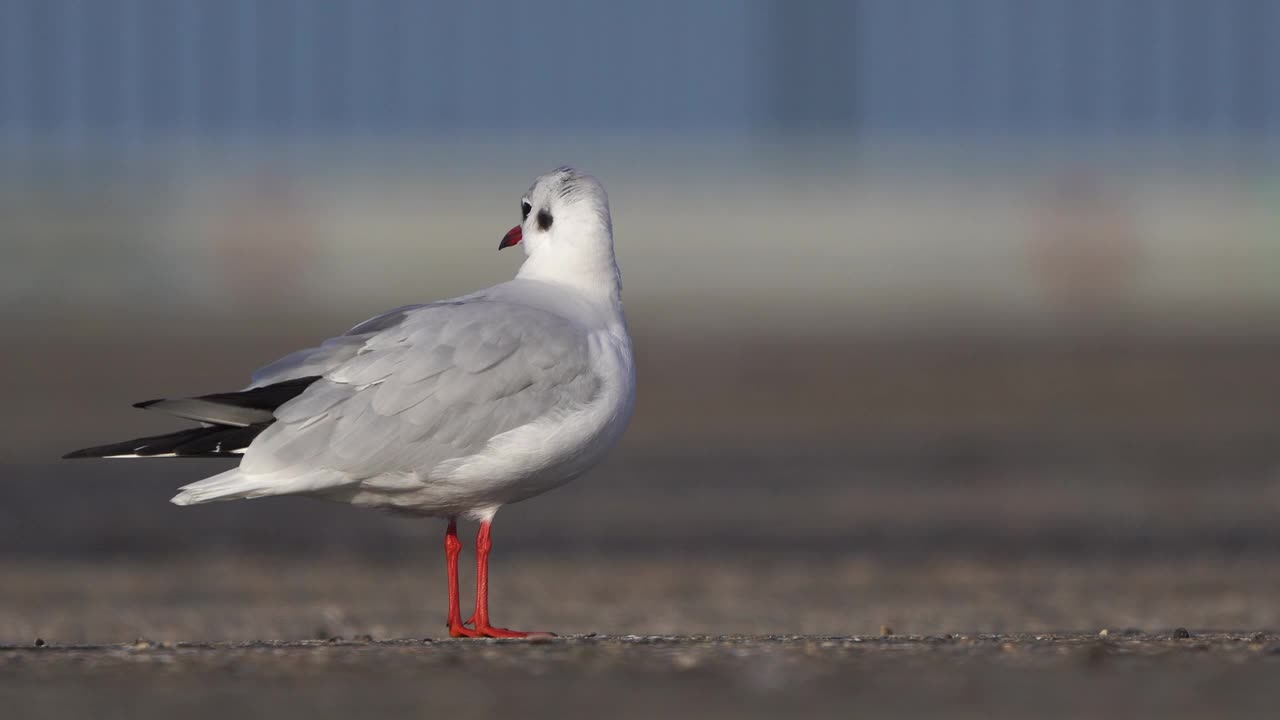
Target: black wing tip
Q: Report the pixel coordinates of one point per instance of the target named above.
(83, 455)
(101, 451)
(215, 442)
(203, 442)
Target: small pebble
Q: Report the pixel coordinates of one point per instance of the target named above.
(886, 631)
(1258, 637)
(1181, 633)
(1103, 633)
(39, 642)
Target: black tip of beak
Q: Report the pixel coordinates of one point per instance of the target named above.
(513, 237)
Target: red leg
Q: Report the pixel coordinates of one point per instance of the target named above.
(452, 548)
(481, 617)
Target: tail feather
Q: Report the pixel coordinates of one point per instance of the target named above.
(230, 485)
(236, 485)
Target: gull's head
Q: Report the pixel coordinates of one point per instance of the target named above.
(565, 212)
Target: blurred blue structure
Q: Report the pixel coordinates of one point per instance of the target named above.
(129, 69)
(885, 163)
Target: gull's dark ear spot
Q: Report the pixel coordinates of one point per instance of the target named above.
(544, 219)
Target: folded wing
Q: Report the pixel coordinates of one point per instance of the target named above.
(425, 384)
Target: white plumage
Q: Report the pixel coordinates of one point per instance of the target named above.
(461, 406)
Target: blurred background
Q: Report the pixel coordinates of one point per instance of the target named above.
(949, 315)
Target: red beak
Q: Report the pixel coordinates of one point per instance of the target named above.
(512, 237)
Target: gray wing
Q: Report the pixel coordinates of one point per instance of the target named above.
(432, 383)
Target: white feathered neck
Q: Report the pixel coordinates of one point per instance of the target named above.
(568, 236)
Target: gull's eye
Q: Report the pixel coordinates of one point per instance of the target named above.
(525, 207)
(544, 219)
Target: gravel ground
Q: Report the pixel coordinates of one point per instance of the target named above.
(236, 598)
(995, 579)
(935, 633)
(1125, 674)
(939, 531)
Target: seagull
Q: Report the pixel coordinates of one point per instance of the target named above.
(448, 409)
